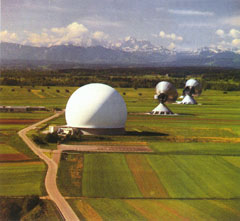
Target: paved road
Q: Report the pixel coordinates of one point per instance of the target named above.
(50, 180)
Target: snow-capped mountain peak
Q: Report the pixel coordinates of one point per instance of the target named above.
(131, 44)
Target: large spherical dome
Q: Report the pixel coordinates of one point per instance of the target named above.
(96, 106)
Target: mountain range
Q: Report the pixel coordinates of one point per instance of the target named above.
(131, 52)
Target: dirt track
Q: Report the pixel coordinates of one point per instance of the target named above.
(106, 149)
(50, 180)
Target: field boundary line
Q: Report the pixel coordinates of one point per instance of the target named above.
(152, 198)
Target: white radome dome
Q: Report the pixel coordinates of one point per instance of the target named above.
(191, 83)
(96, 106)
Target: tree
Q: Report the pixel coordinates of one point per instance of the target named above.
(11, 211)
(52, 137)
(30, 202)
(38, 139)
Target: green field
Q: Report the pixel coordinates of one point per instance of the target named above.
(181, 176)
(192, 174)
(108, 209)
(6, 149)
(107, 175)
(20, 179)
(49, 98)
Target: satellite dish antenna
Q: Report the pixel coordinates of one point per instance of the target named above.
(165, 93)
(192, 89)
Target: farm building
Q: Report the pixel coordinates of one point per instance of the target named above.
(21, 108)
(96, 109)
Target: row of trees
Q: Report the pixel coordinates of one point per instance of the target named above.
(220, 79)
(123, 82)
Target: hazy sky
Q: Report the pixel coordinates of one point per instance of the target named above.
(179, 24)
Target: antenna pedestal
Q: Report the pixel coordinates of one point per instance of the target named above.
(188, 100)
(161, 109)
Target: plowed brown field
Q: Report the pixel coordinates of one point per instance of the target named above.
(145, 177)
(87, 211)
(13, 157)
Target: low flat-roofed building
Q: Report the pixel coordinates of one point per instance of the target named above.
(13, 108)
(21, 108)
(63, 130)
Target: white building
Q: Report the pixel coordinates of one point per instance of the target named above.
(96, 109)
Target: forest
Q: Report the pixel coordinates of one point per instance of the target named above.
(211, 78)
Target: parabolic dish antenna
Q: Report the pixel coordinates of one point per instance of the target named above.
(165, 93)
(192, 89)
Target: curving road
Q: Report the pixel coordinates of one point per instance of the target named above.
(50, 180)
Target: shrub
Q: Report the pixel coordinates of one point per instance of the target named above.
(75, 137)
(11, 211)
(57, 91)
(64, 156)
(140, 94)
(57, 109)
(21, 209)
(52, 137)
(13, 89)
(124, 93)
(31, 202)
(38, 139)
(67, 91)
(42, 90)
